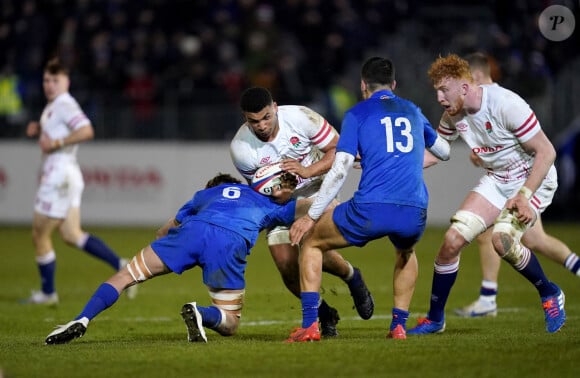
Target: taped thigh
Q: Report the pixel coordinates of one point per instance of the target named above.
(278, 235)
(138, 268)
(468, 224)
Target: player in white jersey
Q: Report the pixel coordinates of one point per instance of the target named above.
(305, 142)
(539, 241)
(519, 184)
(63, 125)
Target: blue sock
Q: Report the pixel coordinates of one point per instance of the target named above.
(211, 316)
(399, 317)
(572, 263)
(47, 271)
(309, 307)
(96, 247)
(102, 299)
(444, 277)
(530, 268)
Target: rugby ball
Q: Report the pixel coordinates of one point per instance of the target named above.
(267, 177)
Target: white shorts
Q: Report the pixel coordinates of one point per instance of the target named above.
(61, 187)
(498, 192)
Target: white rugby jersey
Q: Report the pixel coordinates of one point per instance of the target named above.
(60, 118)
(495, 132)
(302, 133)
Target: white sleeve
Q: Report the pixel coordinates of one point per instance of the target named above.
(332, 183)
(440, 148)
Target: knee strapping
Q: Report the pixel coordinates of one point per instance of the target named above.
(138, 268)
(468, 224)
(230, 306)
(509, 231)
(278, 236)
(228, 301)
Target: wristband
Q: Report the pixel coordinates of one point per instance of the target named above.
(527, 192)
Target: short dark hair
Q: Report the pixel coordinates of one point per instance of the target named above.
(377, 71)
(55, 67)
(255, 99)
(222, 178)
(480, 61)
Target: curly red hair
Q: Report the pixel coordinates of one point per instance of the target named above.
(451, 66)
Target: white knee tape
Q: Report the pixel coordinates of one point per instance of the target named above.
(138, 269)
(278, 235)
(468, 224)
(506, 222)
(228, 301)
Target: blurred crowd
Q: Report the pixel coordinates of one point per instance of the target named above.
(152, 55)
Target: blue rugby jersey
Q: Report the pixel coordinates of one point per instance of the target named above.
(390, 134)
(237, 208)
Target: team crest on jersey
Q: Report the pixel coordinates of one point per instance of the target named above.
(265, 161)
(295, 141)
(488, 127)
(461, 126)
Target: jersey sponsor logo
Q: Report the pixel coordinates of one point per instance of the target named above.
(488, 127)
(265, 160)
(122, 177)
(461, 127)
(486, 149)
(295, 141)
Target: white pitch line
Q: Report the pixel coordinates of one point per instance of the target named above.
(257, 323)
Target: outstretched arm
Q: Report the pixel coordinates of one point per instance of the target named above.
(328, 191)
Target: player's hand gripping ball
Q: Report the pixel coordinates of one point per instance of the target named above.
(270, 177)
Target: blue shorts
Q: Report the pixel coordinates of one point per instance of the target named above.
(360, 223)
(219, 252)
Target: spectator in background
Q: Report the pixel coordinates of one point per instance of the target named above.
(11, 107)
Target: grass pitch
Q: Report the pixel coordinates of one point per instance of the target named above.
(146, 337)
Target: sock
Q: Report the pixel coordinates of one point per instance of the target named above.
(46, 268)
(350, 274)
(530, 268)
(399, 317)
(309, 307)
(443, 279)
(96, 247)
(488, 291)
(572, 263)
(211, 316)
(105, 296)
(323, 309)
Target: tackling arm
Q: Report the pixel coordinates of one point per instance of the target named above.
(332, 183)
(544, 156)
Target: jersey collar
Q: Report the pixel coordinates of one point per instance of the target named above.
(383, 94)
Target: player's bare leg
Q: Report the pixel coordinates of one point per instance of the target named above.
(405, 275)
(490, 262)
(45, 256)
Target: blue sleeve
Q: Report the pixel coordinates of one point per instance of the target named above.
(189, 208)
(283, 216)
(348, 141)
(429, 132)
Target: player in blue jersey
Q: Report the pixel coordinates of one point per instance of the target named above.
(390, 134)
(215, 231)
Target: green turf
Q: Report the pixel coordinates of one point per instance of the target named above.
(146, 337)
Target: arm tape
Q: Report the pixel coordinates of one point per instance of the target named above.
(332, 183)
(440, 149)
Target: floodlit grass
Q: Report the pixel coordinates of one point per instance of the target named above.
(146, 337)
